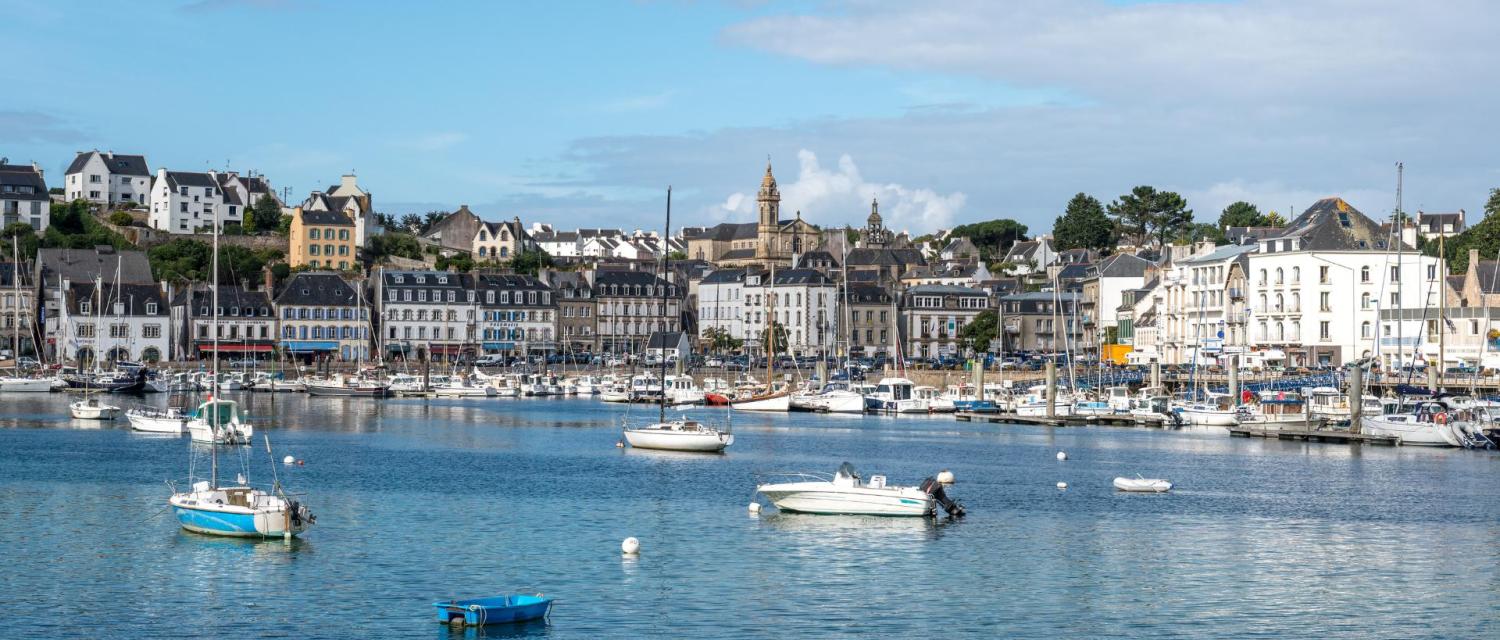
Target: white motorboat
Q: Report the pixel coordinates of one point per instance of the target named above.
(286, 386)
(1035, 403)
(22, 384)
(348, 386)
(219, 422)
(150, 420)
(93, 409)
(1143, 485)
(679, 435)
(458, 388)
(683, 390)
(895, 395)
(837, 399)
(406, 384)
(936, 402)
(1274, 407)
(1329, 404)
(587, 385)
(846, 494)
(615, 393)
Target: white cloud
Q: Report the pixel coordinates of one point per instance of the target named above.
(828, 196)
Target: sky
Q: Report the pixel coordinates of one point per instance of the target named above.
(581, 114)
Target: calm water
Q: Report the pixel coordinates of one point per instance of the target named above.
(421, 500)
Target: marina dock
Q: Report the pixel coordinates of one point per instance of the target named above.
(1121, 420)
(1311, 435)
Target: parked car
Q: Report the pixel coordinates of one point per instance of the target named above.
(244, 362)
(490, 360)
(28, 362)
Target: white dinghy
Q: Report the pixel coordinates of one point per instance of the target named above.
(1143, 485)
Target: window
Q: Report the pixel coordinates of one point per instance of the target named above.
(1323, 302)
(119, 330)
(151, 331)
(1432, 272)
(1322, 275)
(1364, 274)
(315, 234)
(86, 330)
(1323, 330)
(313, 250)
(1396, 274)
(1395, 299)
(1364, 329)
(84, 307)
(1364, 300)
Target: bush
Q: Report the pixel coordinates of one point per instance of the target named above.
(121, 219)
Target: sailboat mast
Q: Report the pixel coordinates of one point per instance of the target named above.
(213, 446)
(1400, 225)
(847, 317)
(666, 263)
(1442, 327)
(15, 311)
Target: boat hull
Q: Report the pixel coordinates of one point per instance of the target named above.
(1209, 418)
(347, 392)
(26, 385)
(1420, 434)
(156, 424)
(848, 402)
(778, 402)
(1142, 485)
(95, 412)
(668, 440)
(823, 499)
(234, 521)
(497, 610)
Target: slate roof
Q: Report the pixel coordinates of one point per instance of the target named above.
(624, 277)
(945, 289)
(1488, 274)
(1074, 272)
(1331, 224)
(177, 179)
(738, 254)
(1433, 222)
(334, 217)
(118, 164)
(1122, 265)
(7, 270)
(801, 276)
(317, 289)
(664, 340)
(868, 256)
(725, 276)
(868, 294)
(133, 296)
(723, 232)
(18, 176)
(229, 296)
(100, 262)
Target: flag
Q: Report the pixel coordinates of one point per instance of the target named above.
(1448, 322)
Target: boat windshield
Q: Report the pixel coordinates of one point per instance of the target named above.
(846, 470)
(226, 412)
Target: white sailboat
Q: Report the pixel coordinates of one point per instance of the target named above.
(675, 435)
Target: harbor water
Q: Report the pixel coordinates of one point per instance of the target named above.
(422, 500)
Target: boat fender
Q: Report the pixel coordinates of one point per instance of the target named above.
(1440, 417)
(630, 546)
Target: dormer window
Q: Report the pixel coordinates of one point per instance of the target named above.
(421, 279)
(442, 279)
(397, 279)
(84, 307)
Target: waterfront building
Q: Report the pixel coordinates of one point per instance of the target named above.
(576, 329)
(871, 319)
(23, 196)
(518, 315)
(322, 239)
(936, 313)
(56, 267)
(630, 308)
(107, 178)
(1041, 321)
(722, 305)
(427, 314)
(246, 324)
(18, 309)
(803, 302)
(107, 322)
(191, 202)
(346, 196)
(1202, 314)
(1104, 288)
(324, 316)
(1314, 289)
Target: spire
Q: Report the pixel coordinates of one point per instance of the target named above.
(769, 180)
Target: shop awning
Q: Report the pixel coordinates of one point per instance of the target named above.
(309, 346)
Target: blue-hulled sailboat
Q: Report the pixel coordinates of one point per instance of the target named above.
(240, 510)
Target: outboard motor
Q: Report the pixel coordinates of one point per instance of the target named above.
(933, 488)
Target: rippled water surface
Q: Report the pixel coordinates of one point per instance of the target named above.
(420, 500)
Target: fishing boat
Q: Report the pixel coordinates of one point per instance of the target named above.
(219, 422)
(934, 399)
(845, 493)
(93, 409)
(1035, 403)
(151, 420)
(895, 395)
(1142, 485)
(501, 609)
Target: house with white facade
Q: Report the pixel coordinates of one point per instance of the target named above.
(190, 202)
(1314, 291)
(721, 304)
(248, 188)
(107, 178)
(501, 240)
(1195, 321)
(23, 195)
(108, 322)
(324, 316)
(804, 302)
(245, 326)
(936, 313)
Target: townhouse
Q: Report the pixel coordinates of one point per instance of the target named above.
(324, 316)
(23, 196)
(108, 178)
(192, 202)
(936, 313)
(631, 305)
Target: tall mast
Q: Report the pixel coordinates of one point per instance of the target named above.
(847, 317)
(15, 311)
(666, 262)
(1442, 284)
(1400, 228)
(213, 446)
(771, 320)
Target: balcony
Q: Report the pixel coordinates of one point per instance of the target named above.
(1235, 293)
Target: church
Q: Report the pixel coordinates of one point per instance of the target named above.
(767, 241)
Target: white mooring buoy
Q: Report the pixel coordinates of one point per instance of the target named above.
(755, 507)
(1061, 456)
(945, 477)
(630, 546)
(288, 460)
(1062, 485)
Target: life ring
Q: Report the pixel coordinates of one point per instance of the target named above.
(1440, 417)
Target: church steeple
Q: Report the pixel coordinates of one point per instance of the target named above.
(769, 199)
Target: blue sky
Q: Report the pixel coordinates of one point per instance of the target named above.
(580, 113)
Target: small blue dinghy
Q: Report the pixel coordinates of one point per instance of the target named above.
(494, 610)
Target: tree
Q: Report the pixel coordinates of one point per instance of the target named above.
(432, 218)
(1241, 214)
(385, 220)
(188, 260)
(412, 222)
(774, 339)
(73, 227)
(1483, 237)
(1146, 213)
(284, 226)
(266, 214)
(530, 262)
(720, 340)
(1274, 219)
(120, 219)
(993, 237)
(24, 237)
(1200, 231)
(677, 255)
(461, 262)
(977, 334)
(1083, 225)
(404, 245)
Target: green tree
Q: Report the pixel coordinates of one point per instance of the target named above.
(403, 245)
(1274, 219)
(1083, 225)
(266, 214)
(977, 334)
(720, 340)
(73, 227)
(1200, 231)
(120, 219)
(1146, 213)
(24, 237)
(774, 339)
(530, 262)
(1241, 214)
(412, 222)
(992, 237)
(461, 262)
(677, 255)
(284, 226)
(1483, 238)
(188, 260)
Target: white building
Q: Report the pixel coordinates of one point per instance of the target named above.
(107, 178)
(721, 304)
(109, 322)
(802, 301)
(23, 195)
(1196, 315)
(190, 202)
(1314, 291)
(936, 313)
(249, 188)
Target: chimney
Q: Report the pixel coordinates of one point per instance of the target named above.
(267, 278)
(1473, 259)
(347, 182)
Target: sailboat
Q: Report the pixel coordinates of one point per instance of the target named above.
(769, 399)
(240, 510)
(90, 408)
(675, 435)
(17, 382)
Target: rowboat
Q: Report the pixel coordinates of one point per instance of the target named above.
(1143, 485)
(500, 609)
